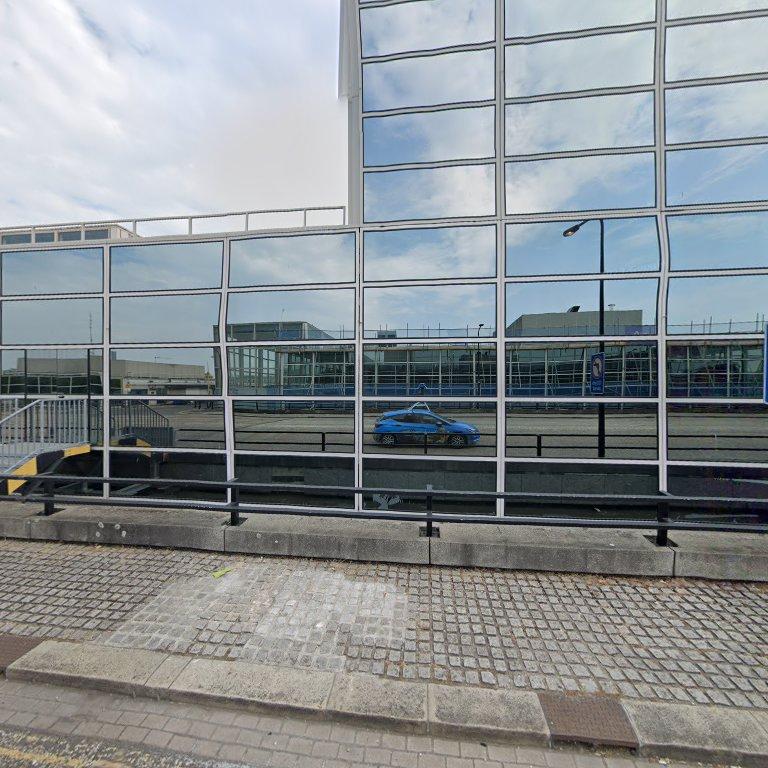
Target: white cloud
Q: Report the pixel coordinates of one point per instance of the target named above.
(154, 107)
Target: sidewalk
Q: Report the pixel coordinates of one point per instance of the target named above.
(625, 643)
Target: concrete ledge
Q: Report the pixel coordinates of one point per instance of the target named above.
(736, 556)
(15, 519)
(538, 548)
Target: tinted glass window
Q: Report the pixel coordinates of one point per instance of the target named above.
(291, 315)
(450, 134)
(56, 371)
(717, 112)
(722, 241)
(421, 254)
(430, 312)
(292, 371)
(580, 64)
(428, 80)
(422, 25)
(714, 50)
(165, 371)
(168, 266)
(715, 369)
(597, 122)
(15, 239)
(572, 309)
(75, 270)
(581, 183)
(534, 17)
(729, 482)
(631, 245)
(141, 319)
(293, 260)
(52, 321)
(430, 193)
(733, 304)
(719, 175)
(680, 8)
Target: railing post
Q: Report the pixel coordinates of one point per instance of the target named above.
(662, 518)
(429, 512)
(48, 506)
(426, 450)
(234, 512)
(539, 446)
(322, 442)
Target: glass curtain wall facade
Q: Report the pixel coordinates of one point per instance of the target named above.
(536, 184)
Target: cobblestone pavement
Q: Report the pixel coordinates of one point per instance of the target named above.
(84, 719)
(687, 641)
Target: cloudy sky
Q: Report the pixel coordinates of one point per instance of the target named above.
(158, 107)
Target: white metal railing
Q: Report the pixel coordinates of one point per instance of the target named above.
(9, 406)
(249, 221)
(43, 425)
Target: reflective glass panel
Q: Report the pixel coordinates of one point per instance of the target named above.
(292, 371)
(596, 122)
(59, 371)
(165, 371)
(715, 50)
(16, 239)
(446, 370)
(581, 431)
(717, 112)
(719, 241)
(579, 64)
(728, 482)
(430, 193)
(718, 433)
(631, 245)
(524, 18)
(65, 270)
(430, 428)
(422, 25)
(430, 312)
(294, 472)
(52, 321)
(719, 175)
(573, 308)
(448, 134)
(166, 266)
(428, 80)
(677, 9)
(402, 475)
(316, 426)
(12, 380)
(167, 423)
(142, 319)
(293, 260)
(581, 183)
(291, 315)
(563, 370)
(423, 254)
(715, 369)
(700, 305)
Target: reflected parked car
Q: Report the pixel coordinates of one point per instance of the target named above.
(419, 423)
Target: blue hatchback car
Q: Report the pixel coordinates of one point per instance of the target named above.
(419, 423)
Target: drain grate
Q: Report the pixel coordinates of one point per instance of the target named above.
(13, 647)
(588, 719)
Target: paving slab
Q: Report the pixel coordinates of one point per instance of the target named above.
(716, 734)
(738, 556)
(13, 647)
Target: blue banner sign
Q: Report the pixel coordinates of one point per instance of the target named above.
(597, 374)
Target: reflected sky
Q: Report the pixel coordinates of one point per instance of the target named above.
(434, 311)
(597, 122)
(428, 80)
(542, 309)
(453, 134)
(581, 183)
(631, 245)
(430, 193)
(677, 9)
(328, 314)
(421, 26)
(53, 321)
(166, 266)
(422, 254)
(718, 241)
(584, 63)
(717, 112)
(75, 270)
(142, 319)
(719, 175)
(537, 17)
(733, 304)
(293, 260)
(717, 49)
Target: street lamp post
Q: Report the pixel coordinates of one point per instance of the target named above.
(570, 232)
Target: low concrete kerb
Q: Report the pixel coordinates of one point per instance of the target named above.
(703, 733)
